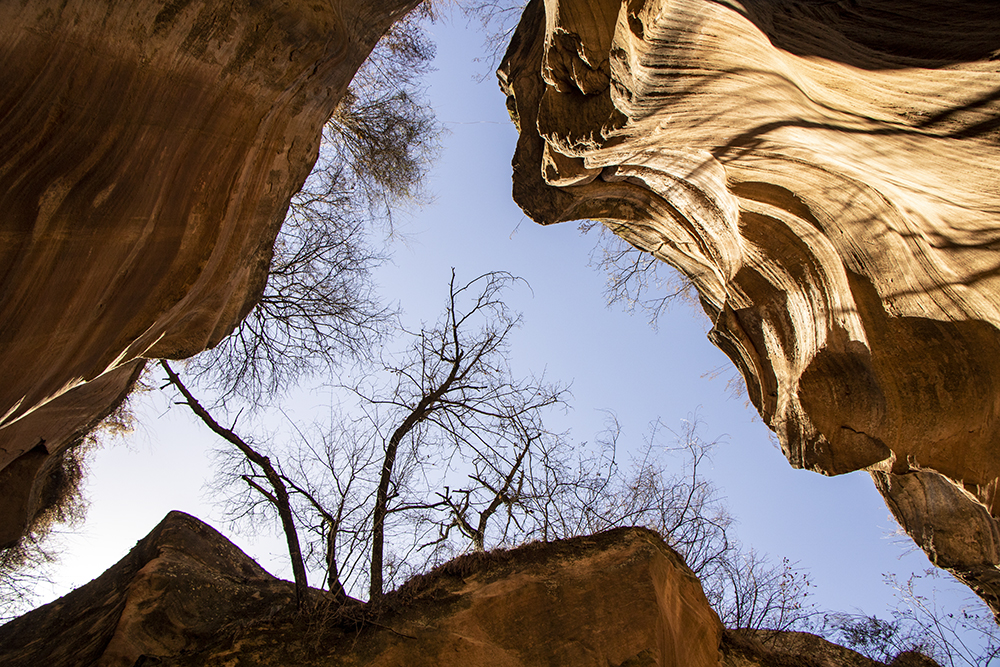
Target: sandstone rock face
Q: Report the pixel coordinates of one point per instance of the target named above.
(826, 175)
(148, 151)
(186, 596)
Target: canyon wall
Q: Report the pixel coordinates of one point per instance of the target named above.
(148, 152)
(185, 596)
(825, 173)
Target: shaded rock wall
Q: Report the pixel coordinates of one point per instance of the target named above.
(148, 151)
(185, 596)
(826, 175)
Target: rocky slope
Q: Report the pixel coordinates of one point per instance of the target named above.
(185, 596)
(148, 151)
(826, 175)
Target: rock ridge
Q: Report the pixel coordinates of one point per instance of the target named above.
(185, 596)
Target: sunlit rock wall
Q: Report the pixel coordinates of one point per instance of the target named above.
(148, 151)
(826, 175)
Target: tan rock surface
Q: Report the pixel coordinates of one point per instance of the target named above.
(186, 596)
(149, 151)
(826, 174)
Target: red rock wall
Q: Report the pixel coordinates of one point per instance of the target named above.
(148, 151)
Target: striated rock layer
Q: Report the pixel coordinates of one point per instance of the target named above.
(148, 151)
(185, 596)
(826, 175)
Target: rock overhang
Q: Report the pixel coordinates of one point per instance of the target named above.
(825, 175)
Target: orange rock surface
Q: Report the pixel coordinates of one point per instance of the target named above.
(148, 152)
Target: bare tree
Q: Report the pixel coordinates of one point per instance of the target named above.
(447, 400)
(752, 592)
(25, 565)
(637, 280)
(320, 305)
(328, 473)
(453, 394)
(497, 20)
(967, 636)
(383, 134)
(576, 489)
(500, 477)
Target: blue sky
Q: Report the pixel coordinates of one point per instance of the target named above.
(837, 528)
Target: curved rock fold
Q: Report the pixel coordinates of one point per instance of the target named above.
(825, 173)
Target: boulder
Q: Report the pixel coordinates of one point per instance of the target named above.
(826, 175)
(179, 587)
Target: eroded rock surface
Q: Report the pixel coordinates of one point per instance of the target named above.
(148, 151)
(826, 174)
(186, 596)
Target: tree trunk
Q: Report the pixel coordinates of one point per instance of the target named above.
(418, 414)
(279, 497)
